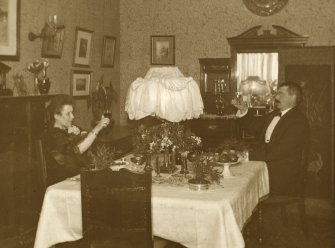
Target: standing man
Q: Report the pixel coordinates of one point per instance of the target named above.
(283, 139)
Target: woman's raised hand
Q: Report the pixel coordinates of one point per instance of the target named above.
(104, 121)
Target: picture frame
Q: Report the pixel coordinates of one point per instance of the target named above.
(81, 83)
(162, 50)
(83, 47)
(108, 51)
(52, 46)
(9, 29)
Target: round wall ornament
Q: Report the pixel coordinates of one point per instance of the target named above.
(265, 7)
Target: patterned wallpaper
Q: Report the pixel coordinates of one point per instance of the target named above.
(101, 17)
(201, 28)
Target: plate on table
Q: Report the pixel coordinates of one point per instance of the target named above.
(118, 164)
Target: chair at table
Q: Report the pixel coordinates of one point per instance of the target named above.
(283, 201)
(42, 168)
(116, 209)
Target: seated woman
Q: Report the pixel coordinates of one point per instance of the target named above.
(65, 144)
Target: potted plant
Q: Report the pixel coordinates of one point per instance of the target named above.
(205, 173)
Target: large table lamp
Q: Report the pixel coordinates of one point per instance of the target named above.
(254, 90)
(164, 92)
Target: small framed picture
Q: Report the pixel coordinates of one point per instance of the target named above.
(81, 82)
(162, 50)
(108, 51)
(83, 47)
(52, 45)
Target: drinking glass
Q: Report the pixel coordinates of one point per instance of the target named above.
(245, 155)
(107, 114)
(157, 167)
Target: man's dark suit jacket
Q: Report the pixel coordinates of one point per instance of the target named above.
(284, 153)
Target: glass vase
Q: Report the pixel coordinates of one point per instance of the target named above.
(43, 85)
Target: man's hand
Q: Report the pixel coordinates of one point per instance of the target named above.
(241, 107)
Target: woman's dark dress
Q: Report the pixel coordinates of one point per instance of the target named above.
(62, 155)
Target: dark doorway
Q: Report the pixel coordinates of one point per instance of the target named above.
(316, 82)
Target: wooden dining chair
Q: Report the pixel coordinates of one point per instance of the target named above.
(116, 209)
(283, 201)
(42, 168)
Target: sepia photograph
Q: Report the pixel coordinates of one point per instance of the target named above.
(83, 47)
(108, 51)
(81, 82)
(162, 50)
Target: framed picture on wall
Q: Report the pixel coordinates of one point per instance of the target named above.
(83, 47)
(108, 51)
(162, 50)
(81, 82)
(52, 46)
(9, 29)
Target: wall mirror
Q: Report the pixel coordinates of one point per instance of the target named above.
(313, 68)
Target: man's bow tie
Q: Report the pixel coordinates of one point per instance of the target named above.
(278, 114)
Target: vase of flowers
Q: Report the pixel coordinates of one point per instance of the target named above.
(166, 140)
(41, 81)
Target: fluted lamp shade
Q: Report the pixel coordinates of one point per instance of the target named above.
(253, 85)
(164, 92)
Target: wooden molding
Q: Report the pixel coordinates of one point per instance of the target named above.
(281, 37)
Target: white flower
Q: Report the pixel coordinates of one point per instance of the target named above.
(196, 139)
(73, 129)
(152, 144)
(38, 65)
(166, 142)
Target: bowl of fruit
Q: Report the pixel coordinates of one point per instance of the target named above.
(229, 157)
(226, 159)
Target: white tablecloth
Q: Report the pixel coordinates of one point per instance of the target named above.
(212, 218)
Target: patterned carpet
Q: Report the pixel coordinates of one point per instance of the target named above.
(276, 235)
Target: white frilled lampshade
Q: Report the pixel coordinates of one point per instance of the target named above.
(164, 92)
(253, 85)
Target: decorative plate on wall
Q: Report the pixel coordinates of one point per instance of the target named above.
(265, 7)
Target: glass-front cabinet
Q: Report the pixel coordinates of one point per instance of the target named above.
(215, 85)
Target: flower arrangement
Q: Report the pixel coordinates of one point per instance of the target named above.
(42, 84)
(164, 136)
(101, 157)
(38, 66)
(204, 167)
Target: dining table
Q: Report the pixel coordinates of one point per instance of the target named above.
(201, 219)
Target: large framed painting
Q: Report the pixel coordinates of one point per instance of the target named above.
(83, 47)
(9, 29)
(108, 51)
(162, 49)
(81, 83)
